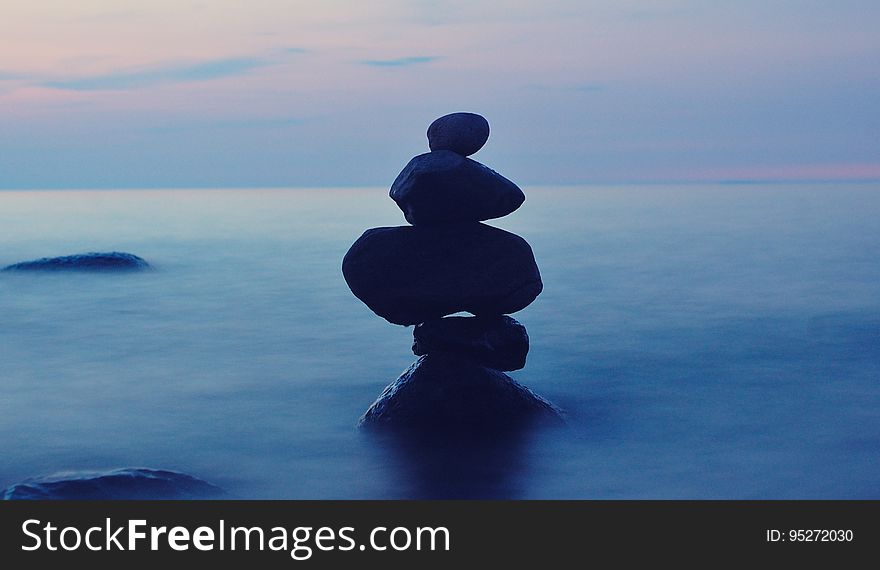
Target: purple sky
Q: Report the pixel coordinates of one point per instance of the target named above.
(136, 93)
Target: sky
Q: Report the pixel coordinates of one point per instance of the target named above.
(227, 93)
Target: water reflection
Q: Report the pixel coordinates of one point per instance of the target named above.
(458, 464)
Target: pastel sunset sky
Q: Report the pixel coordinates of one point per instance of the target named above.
(136, 93)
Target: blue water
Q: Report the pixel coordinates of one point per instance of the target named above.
(705, 341)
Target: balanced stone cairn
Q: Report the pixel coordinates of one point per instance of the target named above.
(447, 262)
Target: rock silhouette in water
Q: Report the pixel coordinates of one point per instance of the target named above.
(445, 263)
(444, 391)
(412, 274)
(119, 484)
(442, 187)
(111, 261)
(501, 342)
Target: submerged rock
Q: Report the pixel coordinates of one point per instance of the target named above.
(499, 342)
(443, 186)
(462, 133)
(412, 274)
(442, 392)
(111, 261)
(119, 484)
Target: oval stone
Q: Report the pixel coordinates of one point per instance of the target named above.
(462, 133)
(499, 342)
(445, 187)
(412, 274)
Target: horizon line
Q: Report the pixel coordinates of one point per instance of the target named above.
(718, 182)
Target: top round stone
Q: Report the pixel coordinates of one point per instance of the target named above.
(462, 133)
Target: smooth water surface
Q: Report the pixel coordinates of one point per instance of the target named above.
(705, 341)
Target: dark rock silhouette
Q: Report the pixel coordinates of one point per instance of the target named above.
(444, 187)
(498, 342)
(442, 391)
(412, 274)
(119, 484)
(112, 261)
(462, 133)
(445, 263)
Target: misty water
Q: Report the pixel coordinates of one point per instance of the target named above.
(705, 342)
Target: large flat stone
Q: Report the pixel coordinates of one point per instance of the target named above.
(110, 261)
(443, 186)
(412, 274)
(119, 484)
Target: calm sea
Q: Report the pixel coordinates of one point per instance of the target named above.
(705, 341)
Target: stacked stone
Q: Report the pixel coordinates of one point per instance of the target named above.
(446, 262)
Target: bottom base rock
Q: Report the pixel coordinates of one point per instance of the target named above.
(444, 392)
